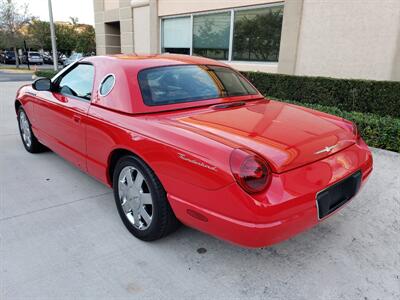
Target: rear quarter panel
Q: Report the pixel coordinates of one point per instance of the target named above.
(160, 146)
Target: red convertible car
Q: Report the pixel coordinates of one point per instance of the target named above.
(189, 139)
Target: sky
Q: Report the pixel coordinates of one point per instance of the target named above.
(62, 9)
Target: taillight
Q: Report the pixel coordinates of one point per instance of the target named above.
(250, 170)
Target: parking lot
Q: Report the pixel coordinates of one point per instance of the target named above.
(61, 237)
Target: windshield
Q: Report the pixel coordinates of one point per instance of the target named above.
(33, 54)
(188, 83)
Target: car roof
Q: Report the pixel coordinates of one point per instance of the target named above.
(126, 95)
(153, 60)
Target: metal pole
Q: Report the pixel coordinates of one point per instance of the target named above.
(53, 38)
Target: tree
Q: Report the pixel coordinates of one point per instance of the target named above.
(66, 38)
(17, 25)
(3, 42)
(85, 40)
(39, 34)
(12, 18)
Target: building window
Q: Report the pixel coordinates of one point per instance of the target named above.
(257, 34)
(242, 34)
(211, 35)
(176, 35)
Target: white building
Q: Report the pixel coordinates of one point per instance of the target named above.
(335, 38)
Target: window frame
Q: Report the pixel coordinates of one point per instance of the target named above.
(102, 82)
(231, 29)
(56, 80)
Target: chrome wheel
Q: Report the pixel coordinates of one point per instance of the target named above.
(25, 129)
(135, 197)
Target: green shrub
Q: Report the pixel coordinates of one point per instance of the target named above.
(377, 97)
(45, 73)
(377, 131)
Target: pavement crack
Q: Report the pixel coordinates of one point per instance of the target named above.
(53, 206)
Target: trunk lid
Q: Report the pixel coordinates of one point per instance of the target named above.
(288, 136)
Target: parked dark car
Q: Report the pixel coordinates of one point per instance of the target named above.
(7, 57)
(61, 58)
(47, 59)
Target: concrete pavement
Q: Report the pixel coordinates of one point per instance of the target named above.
(61, 238)
(12, 76)
(39, 67)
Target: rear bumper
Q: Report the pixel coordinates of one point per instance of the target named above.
(286, 209)
(247, 234)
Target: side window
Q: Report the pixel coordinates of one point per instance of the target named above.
(107, 84)
(78, 82)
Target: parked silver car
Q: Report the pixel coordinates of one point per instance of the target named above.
(35, 58)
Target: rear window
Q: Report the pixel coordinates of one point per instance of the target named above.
(33, 54)
(188, 83)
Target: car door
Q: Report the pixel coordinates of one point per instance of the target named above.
(61, 114)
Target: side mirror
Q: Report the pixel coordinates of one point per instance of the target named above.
(42, 84)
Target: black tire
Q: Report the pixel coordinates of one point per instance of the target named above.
(163, 219)
(35, 146)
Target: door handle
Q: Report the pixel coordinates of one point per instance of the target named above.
(76, 118)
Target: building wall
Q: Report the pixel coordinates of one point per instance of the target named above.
(344, 39)
(111, 4)
(351, 39)
(174, 7)
(142, 38)
(106, 14)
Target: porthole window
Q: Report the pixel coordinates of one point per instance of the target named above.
(107, 85)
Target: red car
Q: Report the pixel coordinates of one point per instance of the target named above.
(190, 139)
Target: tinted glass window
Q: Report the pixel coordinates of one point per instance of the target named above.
(177, 84)
(257, 34)
(211, 35)
(234, 85)
(78, 82)
(107, 85)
